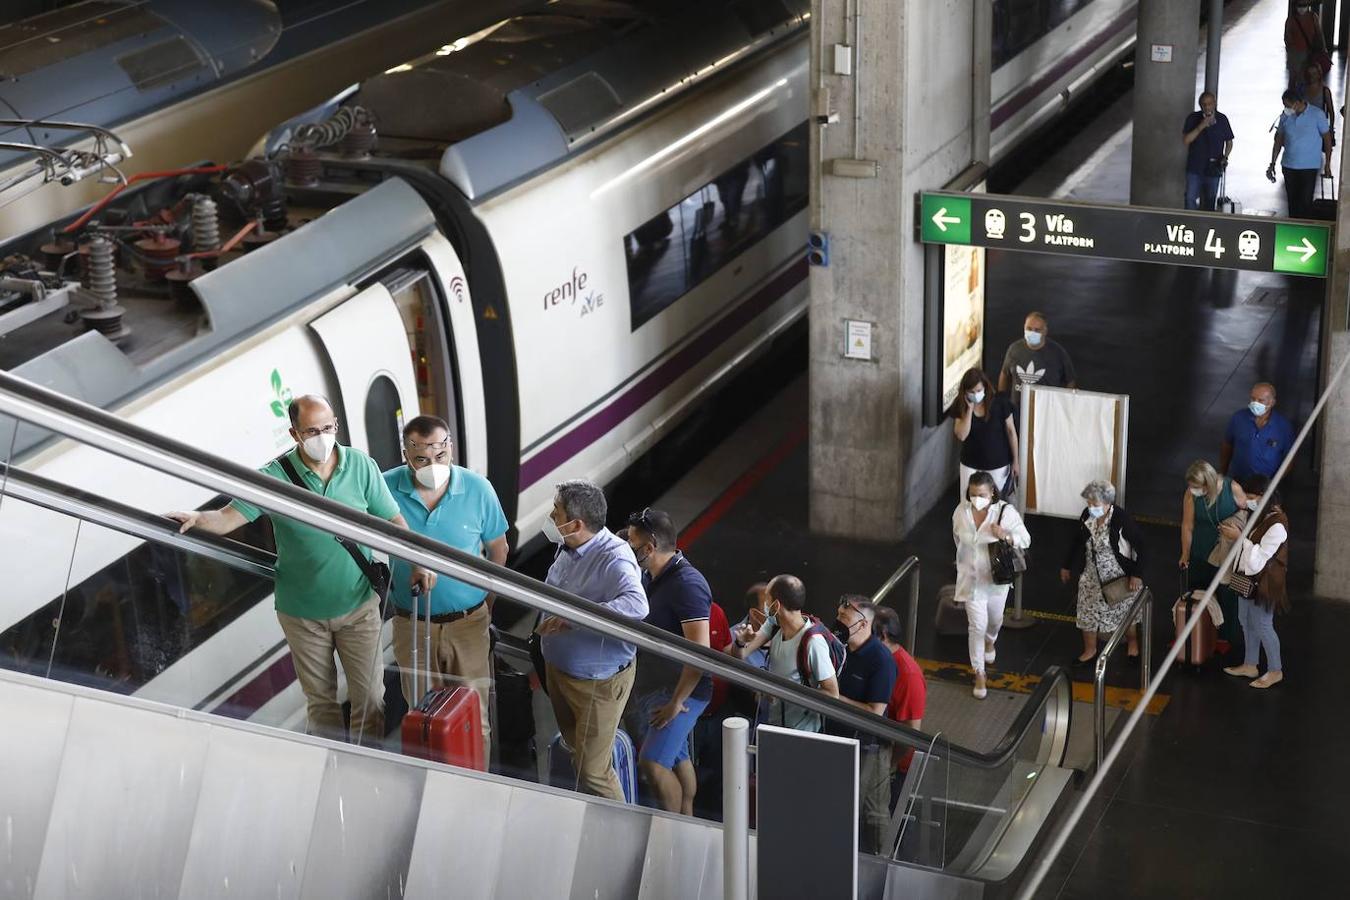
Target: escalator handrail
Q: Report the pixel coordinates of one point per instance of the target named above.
(69, 501)
(87, 424)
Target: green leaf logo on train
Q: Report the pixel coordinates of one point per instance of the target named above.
(282, 395)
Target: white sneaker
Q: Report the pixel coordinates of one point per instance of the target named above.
(980, 691)
(989, 654)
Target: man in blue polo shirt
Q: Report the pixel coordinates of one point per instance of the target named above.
(670, 697)
(1304, 134)
(457, 507)
(1258, 437)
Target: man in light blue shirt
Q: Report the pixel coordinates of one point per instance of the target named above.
(1305, 136)
(457, 507)
(589, 676)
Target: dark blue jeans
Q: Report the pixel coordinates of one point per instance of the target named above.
(1202, 191)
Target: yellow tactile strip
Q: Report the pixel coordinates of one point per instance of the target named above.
(1118, 697)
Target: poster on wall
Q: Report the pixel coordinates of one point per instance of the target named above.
(962, 316)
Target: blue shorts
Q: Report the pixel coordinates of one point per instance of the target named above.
(668, 746)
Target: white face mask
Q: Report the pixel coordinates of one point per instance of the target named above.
(979, 502)
(1258, 408)
(1096, 511)
(318, 447)
(432, 476)
(1033, 338)
(551, 531)
(1252, 503)
(1197, 492)
(976, 397)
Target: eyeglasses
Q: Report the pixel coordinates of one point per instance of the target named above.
(330, 428)
(434, 446)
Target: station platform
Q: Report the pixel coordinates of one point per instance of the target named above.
(1220, 781)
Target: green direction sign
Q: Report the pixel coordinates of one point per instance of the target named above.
(1115, 231)
(1301, 249)
(946, 219)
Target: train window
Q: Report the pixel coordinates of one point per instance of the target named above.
(1020, 23)
(416, 299)
(676, 250)
(384, 422)
(128, 622)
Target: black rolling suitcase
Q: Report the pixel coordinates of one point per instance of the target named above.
(1324, 207)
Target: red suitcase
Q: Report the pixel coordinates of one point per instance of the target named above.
(446, 726)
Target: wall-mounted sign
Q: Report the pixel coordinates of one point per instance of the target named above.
(1139, 234)
(857, 339)
(1160, 53)
(962, 316)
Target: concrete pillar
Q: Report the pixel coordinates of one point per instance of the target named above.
(1164, 93)
(874, 468)
(1213, 43)
(1332, 565)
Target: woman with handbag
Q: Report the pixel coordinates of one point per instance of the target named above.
(1109, 546)
(1316, 93)
(1259, 581)
(1303, 42)
(1208, 501)
(983, 526)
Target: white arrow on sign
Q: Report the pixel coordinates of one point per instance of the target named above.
(942, 220)
(1307, 250)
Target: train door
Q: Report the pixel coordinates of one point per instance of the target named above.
(367, 345)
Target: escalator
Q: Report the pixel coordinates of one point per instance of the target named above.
(151, 793)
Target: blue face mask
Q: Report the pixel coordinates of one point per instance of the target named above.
(1033, 338)
(1258, 409)
(1096, 512)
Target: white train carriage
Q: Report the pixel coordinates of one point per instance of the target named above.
(561, 267)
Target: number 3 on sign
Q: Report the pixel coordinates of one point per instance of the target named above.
(1214, 245)
(1028, 228)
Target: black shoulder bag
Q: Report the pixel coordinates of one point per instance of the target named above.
(1006, 562)
(377, 573)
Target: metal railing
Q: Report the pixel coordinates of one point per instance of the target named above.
(1141, 606)
(912, 613)
(87, 424)
(63, 499)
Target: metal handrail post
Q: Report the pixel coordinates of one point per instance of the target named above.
(911, 564)
(1142, 603)
(736, 808)
(912, 625)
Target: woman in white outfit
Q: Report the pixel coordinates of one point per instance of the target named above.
(980, 520)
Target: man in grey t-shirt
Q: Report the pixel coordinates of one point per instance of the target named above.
(1035, 359)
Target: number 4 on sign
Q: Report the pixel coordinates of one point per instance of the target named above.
(1214, 245)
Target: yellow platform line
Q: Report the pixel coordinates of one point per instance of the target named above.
(1117, 697)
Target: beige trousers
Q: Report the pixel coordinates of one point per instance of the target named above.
(355, 638)
(588, 713)
(874, 797)
(459, 655)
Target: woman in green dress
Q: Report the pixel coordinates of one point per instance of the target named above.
(1208, 500)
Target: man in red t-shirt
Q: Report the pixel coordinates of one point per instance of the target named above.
(911, 692)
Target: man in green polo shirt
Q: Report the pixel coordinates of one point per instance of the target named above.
(323, 600)
(457, 507)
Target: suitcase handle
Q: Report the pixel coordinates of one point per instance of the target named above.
(416, 670)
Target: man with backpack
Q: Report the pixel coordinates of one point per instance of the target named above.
(866, 681)
(801, 647)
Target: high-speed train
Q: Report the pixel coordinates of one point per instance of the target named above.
(570, 230)
(187, 80)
